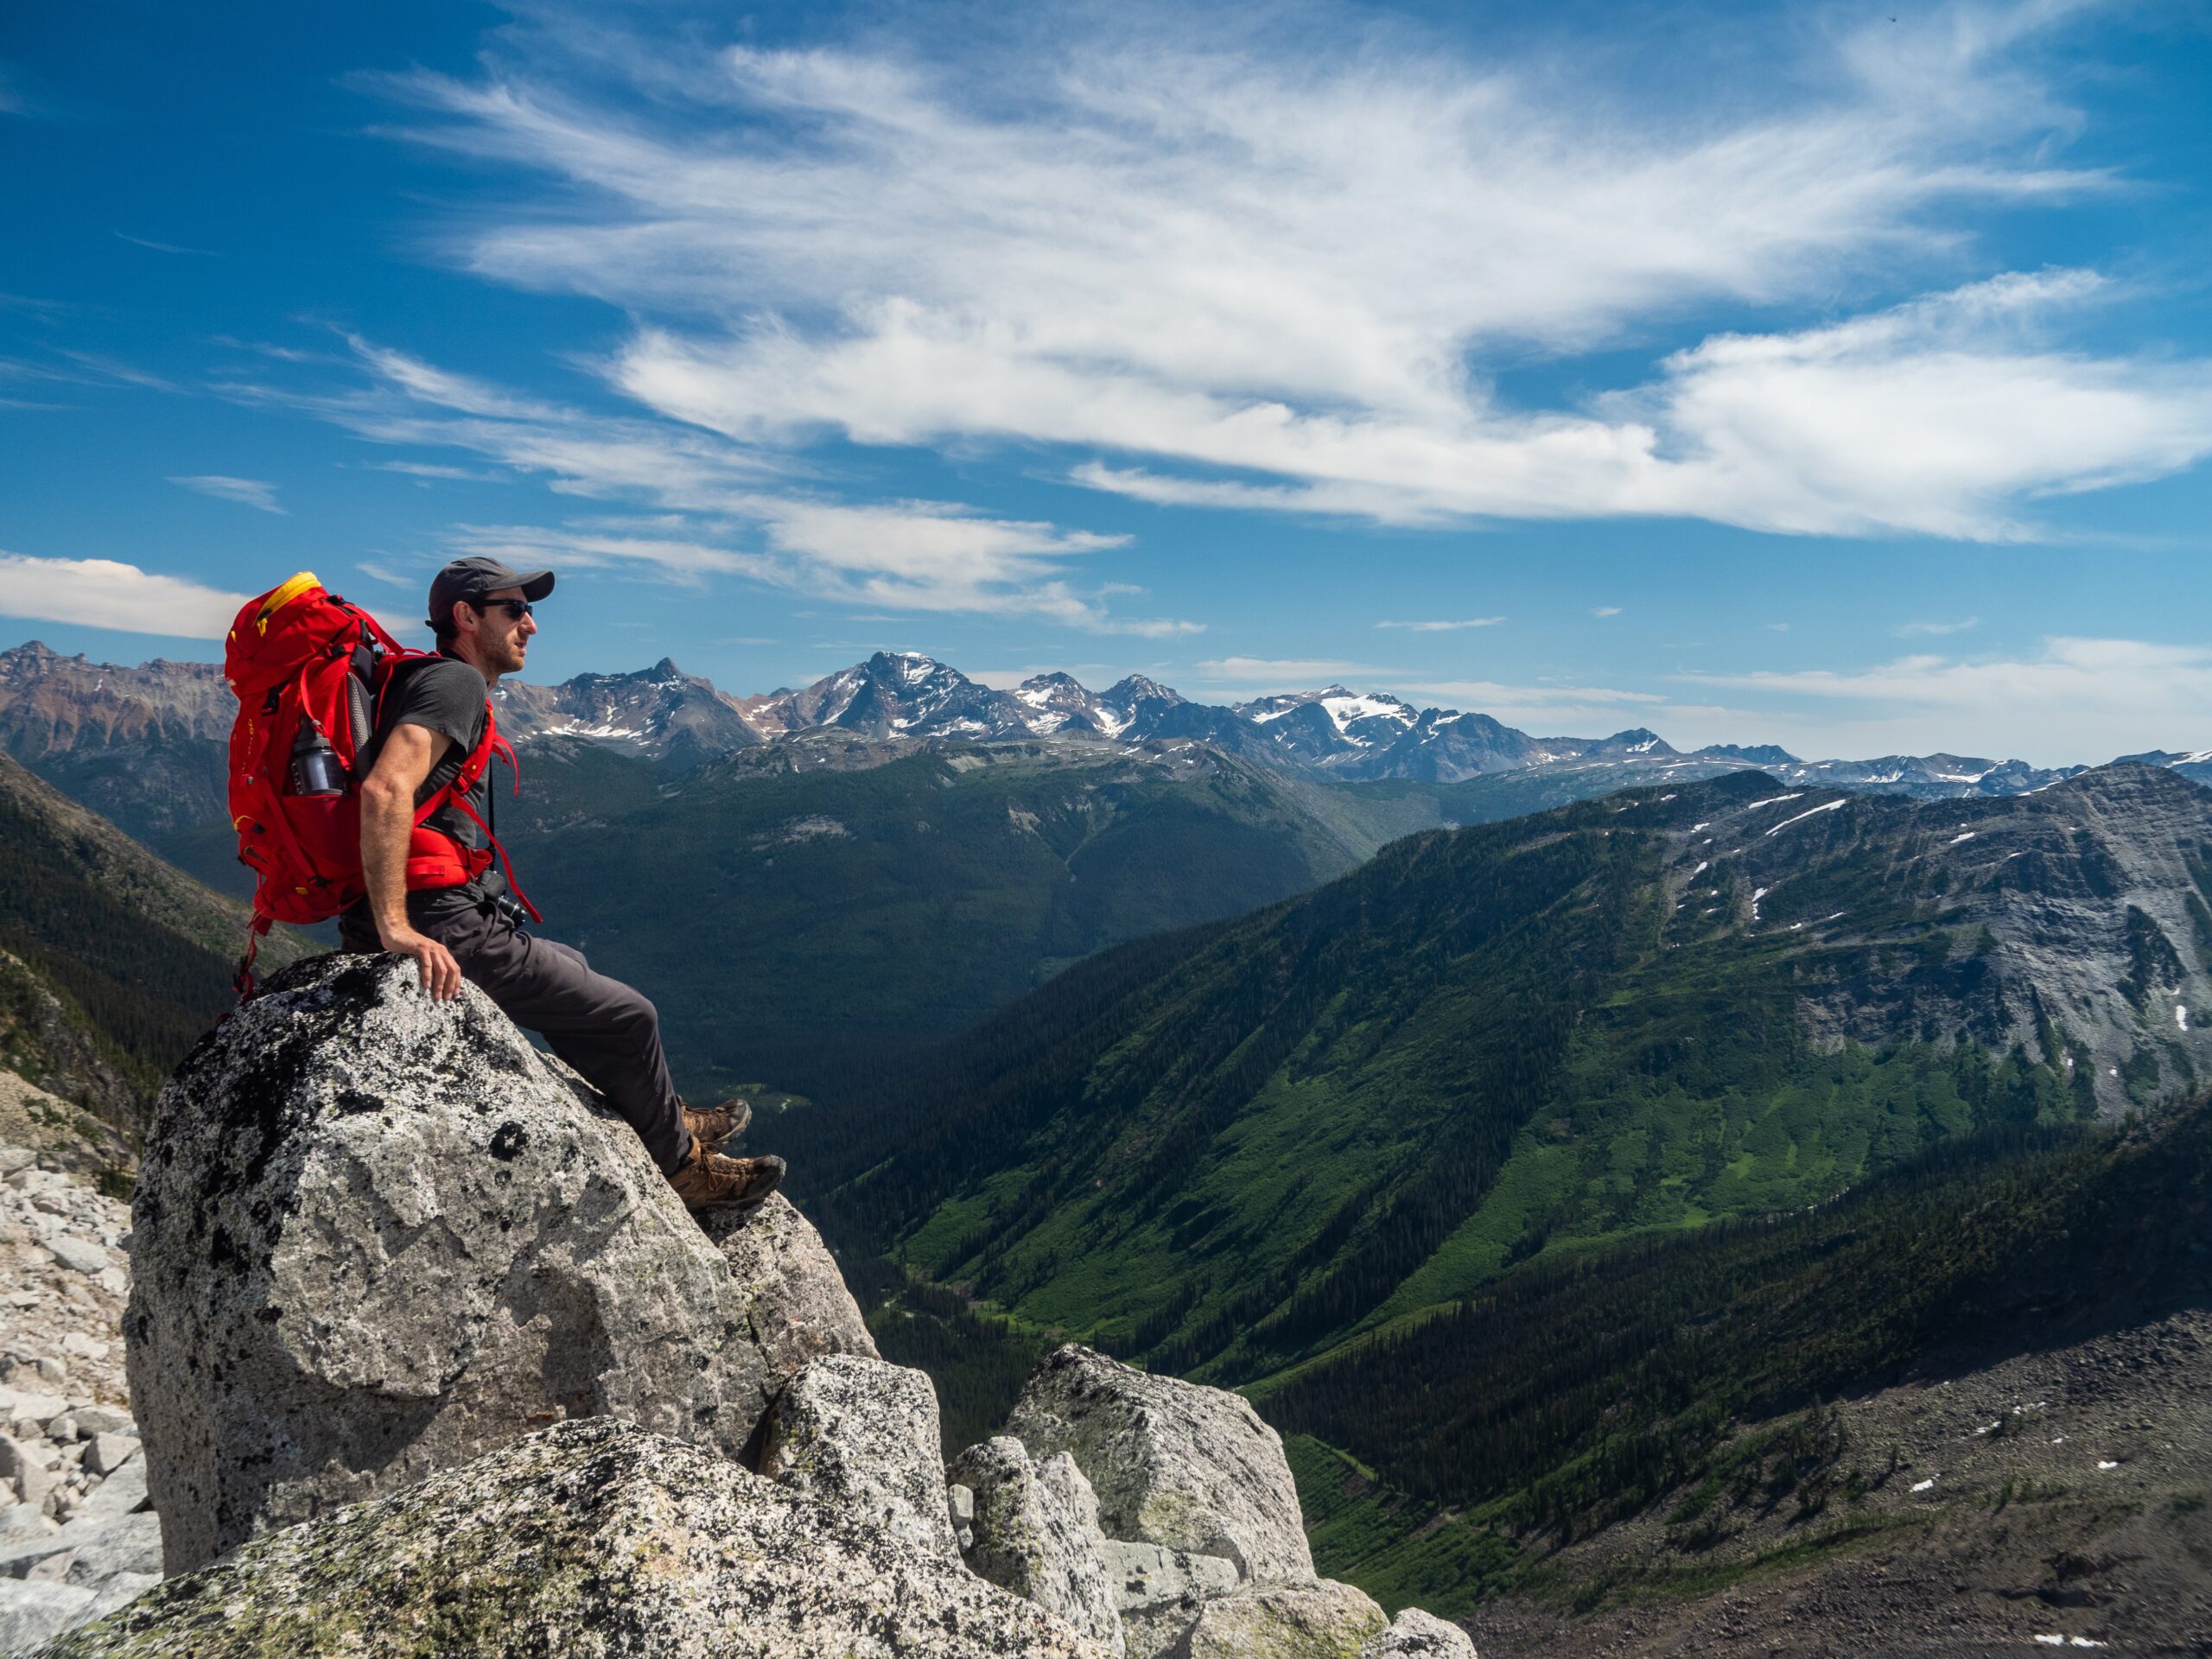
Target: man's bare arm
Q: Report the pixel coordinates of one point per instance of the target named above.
(387, 820)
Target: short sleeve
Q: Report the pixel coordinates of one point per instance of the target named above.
(446, 697)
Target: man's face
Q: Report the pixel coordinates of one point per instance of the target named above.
(503, 633)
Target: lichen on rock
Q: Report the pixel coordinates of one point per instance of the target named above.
(863, 1433)
(1173, 1463)
(592, 1539)
(1416, 1634)
(1320, 1620)
(1158, 1591)
(1035, 1532)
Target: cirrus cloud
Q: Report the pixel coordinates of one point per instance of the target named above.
(1274, 270)
(246, 492)
(719, 508)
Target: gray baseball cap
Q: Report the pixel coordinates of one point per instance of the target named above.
(478, 575)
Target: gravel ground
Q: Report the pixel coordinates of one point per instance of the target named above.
(77, 1537)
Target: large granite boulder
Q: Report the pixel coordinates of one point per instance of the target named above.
(1035, 1532)
(1416, 1634)
(1158, 1592)
(1319, 1620)
(376, 1236)
(591, 1539)
(796, 1298)
(1173, 1463)
(863, 1433)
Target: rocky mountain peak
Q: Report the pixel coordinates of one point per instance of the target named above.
(1752, 754)
(1636, 740)
(1138, 688)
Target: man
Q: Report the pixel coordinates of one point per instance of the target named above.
(431, 721)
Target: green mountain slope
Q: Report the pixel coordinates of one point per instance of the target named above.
(1226, 1153)
(112, 964)
(810, 914)
(1679, 1382)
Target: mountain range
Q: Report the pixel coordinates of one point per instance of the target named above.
(67, 714)
(769, 883)
(808, 912)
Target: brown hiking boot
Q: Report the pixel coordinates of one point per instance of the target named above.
(707, 1181)
(712, 1125)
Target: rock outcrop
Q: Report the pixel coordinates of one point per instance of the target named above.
(1034, 1530)
(1416, 1634)
(863, 1434)
(798, 1306)
(1321, 1620)
(592, 1539)
(376, 1236)
(1158, 1591)
(1203, 1554)
(1173, 1463)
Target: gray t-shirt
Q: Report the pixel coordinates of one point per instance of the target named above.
(446, 696)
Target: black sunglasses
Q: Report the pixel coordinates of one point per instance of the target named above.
(518, 608)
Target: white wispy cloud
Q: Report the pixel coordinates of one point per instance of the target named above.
(379, 572)
(162, 247)
(2075, 699)
(1444, 628)
(428, 472)
(1280, 673)
(1488, 694)
(1602, 611)
(720, 508)
(1264, 265)
(109, 594)
(246, 492)
(1912, 630)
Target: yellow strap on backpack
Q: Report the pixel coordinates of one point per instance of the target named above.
(280, 596)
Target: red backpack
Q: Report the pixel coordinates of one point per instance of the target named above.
(309, 671)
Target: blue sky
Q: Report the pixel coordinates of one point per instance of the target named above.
(1838, 376)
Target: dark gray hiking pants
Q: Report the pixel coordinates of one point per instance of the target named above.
(609, 1033)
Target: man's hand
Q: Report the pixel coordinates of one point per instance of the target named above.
(441, 973)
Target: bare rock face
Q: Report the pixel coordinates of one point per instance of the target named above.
(1035, 1532)
(33, 1610)
(1320, 1620)
(1173, 1463)
(1416, 1634)
(592, 1539)
(863, 1433)
(1158, 1592)
(376, 1236)
(800, 1309)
